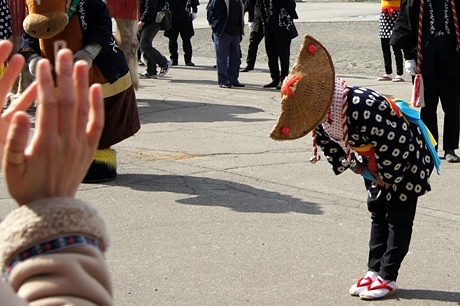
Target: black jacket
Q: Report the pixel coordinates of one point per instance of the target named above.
(406, 28)
(149, 9)
(277, 17)
(217, 14)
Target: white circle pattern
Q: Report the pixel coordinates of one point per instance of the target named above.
(5, 20)
(405, 163)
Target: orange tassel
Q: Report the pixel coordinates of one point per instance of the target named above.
(418, 99)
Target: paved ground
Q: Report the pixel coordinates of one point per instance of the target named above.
(208, 210)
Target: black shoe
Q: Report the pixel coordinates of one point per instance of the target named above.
(174, 63)
(273, 84)
(225, 86)
(191, 64)
(246, 69)
(451, 157)
(238, 84)
(279, 85)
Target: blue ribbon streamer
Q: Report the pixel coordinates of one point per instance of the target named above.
(413, 116)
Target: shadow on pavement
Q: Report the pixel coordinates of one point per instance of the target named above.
(427, 295)
(185, 111)
(215, 192)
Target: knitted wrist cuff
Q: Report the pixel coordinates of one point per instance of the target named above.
(43, 220)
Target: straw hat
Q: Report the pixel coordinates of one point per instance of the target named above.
(307, 92)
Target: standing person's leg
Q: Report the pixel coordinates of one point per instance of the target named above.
(284, 53)
(187, 47)
(386, 50)
(254, 40)
(173, 35)
(147, 35)
(399, 59)
(222, 46)
(428, 113)
(234, 61)
(139, 52)
(272, 54)
(158, 58)
(378, 237)
(400, 216)
(449, 96)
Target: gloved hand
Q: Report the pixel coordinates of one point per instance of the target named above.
(411, 66)
(194, 15)
(251, 26)
(88, 53)
(32, 62)
(83, 55)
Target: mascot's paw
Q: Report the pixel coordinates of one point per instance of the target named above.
(103, 168)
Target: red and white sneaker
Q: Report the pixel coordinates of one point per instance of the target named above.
(362, 283)
(379, 288)
(385, 77)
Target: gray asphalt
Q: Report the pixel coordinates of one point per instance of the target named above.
(208, 210)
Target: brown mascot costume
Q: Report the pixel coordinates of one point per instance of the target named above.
(85, 27)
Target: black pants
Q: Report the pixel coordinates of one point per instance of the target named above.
(254, 40)
(391, 231)
(441, 79)
(173, 35)
(386, 49)
(277, 50)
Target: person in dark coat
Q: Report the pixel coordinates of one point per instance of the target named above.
(226, 18)
(183, 14)
(438, 63)
(149, 29)
(279, 30)
(255, 37)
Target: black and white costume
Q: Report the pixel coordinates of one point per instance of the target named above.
(402, 159)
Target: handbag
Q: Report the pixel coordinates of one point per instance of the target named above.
(164, 18)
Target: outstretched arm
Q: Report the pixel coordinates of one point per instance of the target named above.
(68, 126)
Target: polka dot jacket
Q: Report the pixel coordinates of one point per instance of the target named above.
(5, 20)
(402, 157)
(387, 23)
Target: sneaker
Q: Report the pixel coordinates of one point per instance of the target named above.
(225, 86)
(398, 78)
(379, 288)
(147, 75)
(164, 70)
(385, 77)
(362, 283)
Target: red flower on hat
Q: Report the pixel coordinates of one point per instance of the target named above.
(287, 86)
(284, 130)
(311, 49)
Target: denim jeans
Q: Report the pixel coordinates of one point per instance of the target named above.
(228, 58)
(152, 57)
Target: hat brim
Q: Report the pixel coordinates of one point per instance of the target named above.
(306, 93)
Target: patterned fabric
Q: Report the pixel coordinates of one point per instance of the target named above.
(333, 125)
(401, 154)
(5, 20)
(50, 246)
(387, 23)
